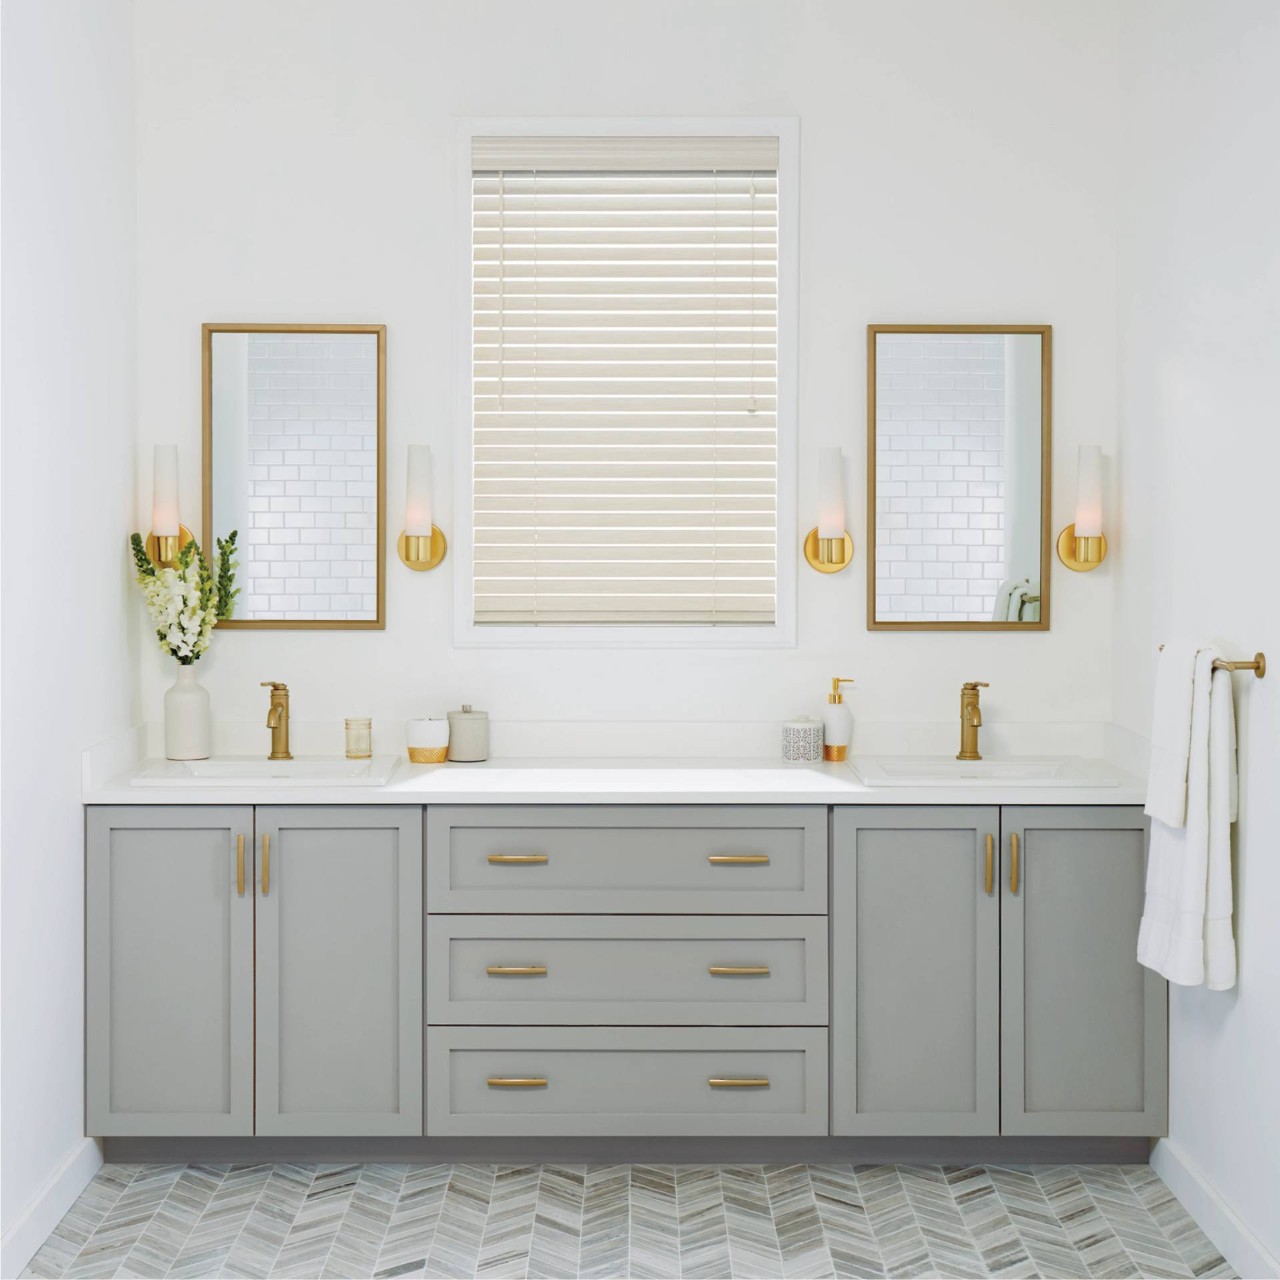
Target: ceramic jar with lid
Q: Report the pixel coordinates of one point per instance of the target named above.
(468, 734)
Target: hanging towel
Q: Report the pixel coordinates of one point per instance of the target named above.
(1186, 924)
(1171, 733)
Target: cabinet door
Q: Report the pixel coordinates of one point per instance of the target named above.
(1084, 1024)
(915, 997)
(169, 970)
(339, 970)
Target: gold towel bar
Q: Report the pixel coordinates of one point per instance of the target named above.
(1258, 665)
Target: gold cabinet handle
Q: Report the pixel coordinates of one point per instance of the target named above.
(520, 859)
(240, 865)
(516, 970)
(517, 1082)
(739, 1082)
(266, 864)
(738, 970)
(738, 859)
(991, 865)
(1013, 863)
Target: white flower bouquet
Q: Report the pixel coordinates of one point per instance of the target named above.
(186, 602)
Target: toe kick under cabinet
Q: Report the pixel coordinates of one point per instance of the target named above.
(627, 970)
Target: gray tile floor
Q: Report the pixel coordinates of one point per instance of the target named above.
(626, 1220)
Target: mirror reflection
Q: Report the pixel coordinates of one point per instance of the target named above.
(959, 458)
(293, 447)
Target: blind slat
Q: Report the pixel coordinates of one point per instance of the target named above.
(625, 381)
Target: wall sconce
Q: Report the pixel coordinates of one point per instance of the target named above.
(1082, 546)
(829, 548)
(168, 535)
(421, 545)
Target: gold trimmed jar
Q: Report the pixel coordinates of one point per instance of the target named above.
(427, 740)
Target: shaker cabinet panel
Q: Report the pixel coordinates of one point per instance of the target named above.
(169, 970)
(339, 970)
(635, 859)
(915, 971)
(638, 970)
(1084, 1025)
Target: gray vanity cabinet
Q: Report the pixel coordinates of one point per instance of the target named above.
(1083, 1044)
(169, 970)
(339, 970)
(915, 971)
(195, 915)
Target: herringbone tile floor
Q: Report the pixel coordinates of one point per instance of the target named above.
(660, 1221)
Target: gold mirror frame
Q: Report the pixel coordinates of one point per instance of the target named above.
(207, 331)
(1046, 473)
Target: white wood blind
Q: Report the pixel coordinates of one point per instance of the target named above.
(625, 380)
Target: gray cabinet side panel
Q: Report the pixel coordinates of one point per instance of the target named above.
(168, 971)
(915, 972)
(339, 971)
(1084, 1024)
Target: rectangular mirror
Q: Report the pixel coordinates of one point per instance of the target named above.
(294, 459)
(958, 470)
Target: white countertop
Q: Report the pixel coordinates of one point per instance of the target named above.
(626, 782)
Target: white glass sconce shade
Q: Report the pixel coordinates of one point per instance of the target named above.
(164, 491)
(1089, 492)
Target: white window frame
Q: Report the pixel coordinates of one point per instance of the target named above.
(782, 633)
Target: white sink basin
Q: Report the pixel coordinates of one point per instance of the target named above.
(253, 771)
(945, 771)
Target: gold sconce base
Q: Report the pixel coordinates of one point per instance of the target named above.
(163, 552)
(828, 555)
(1081, 555)
(421, 553)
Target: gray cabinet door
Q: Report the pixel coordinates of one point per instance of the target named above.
(1084, 1025)
(339, 970)
(915, 1000)
(169, 971)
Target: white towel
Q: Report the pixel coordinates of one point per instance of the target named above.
(1171, 733)
(1186, 923)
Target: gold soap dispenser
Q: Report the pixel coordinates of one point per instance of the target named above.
(837, 722)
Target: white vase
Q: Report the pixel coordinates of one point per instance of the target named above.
(187, 728)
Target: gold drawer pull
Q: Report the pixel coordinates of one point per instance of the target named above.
(520, 859)
(266, 864)
(516, 970)
(738, 859)
(739, 1082)
(1013, 867)
(517, 1082)
(738, 970)
(991, 864)
(240, 865)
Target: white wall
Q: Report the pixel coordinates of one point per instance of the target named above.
(69, 628)
(296, 163)
(1200, 451)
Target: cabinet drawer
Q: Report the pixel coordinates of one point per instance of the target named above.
(626, 1081)
(750, 859)
(586, 970)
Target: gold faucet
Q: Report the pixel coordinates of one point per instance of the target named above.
(278, 720)
(970, 720)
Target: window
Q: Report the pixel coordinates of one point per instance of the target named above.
(625, 463)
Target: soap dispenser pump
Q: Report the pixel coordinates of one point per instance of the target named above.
(837, 722)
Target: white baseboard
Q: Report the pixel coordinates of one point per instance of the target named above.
(1241, 1248)
(36, 1222)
